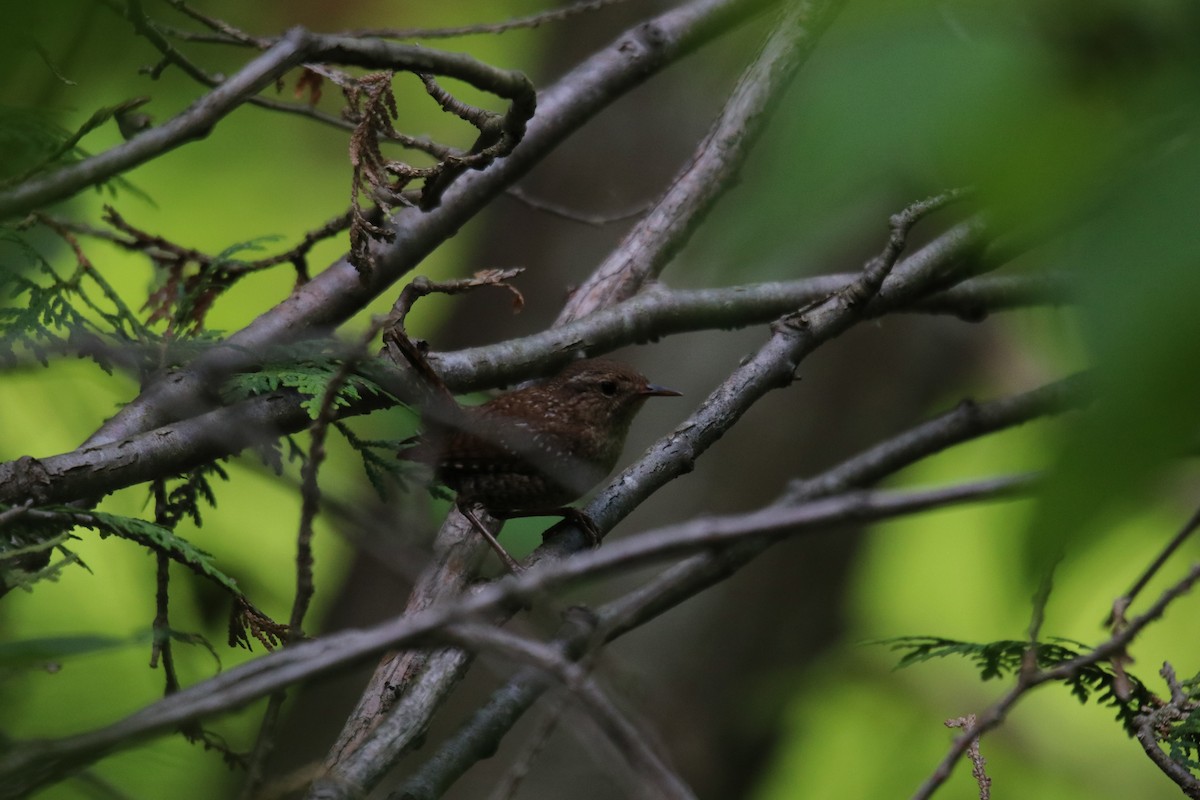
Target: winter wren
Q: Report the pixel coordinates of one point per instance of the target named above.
(531, 451)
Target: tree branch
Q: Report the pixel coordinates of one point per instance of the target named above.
(718, 159)
(174, 448)
(658, 312)
(792, 339)
(1031, 679)
(480, 735)
(652, 777)
(339, 291)
(296, 47)
(28, 766)
(194, 123)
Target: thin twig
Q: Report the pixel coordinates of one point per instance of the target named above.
(310, 493)
(651, 774)
(531, 21)
(1122, 603)
(220, 26)
(658, 236)
(978, 762)
(1030, 679)
(518, 770)
(563, 212)
(161, 626)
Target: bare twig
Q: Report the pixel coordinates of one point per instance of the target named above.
(966, 421)
(161, 646)
(1122, 603)
(978, 762)
(848, 508)
(595, 220)
(222, 27)
(1151, 724)
(531, 21)
(658, 312)
(658, 236)
(518, 770)
(652, 777)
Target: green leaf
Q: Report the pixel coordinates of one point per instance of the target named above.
(36, 653)
(149, 534)
(310, 374)
(1005, 657)
(1135, 267)
(384, 471)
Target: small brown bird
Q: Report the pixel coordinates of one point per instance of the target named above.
(529, 452)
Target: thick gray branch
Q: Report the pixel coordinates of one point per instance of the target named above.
(194, 123)
(772, 367)
(28, 766)
(659, 312)
(787, 45)
(169, 450)
(174, 448)
(480, 735)
(713, 170)
(296, 47)
(339, 291)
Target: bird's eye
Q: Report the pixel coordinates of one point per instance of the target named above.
(608, 387)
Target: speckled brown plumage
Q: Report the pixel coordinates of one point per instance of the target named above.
(535, 449)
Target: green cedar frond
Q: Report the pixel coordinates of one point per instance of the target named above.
(157, 537)
(1004, 658)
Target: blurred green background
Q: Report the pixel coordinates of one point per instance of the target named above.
(1075, 121)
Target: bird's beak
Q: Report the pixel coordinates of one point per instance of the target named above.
(654, 390)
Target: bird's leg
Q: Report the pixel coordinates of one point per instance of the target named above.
(509, 561)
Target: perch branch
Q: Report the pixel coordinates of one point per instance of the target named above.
(480, 735)
(26, 766)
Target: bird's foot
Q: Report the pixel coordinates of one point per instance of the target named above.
(583, 522)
